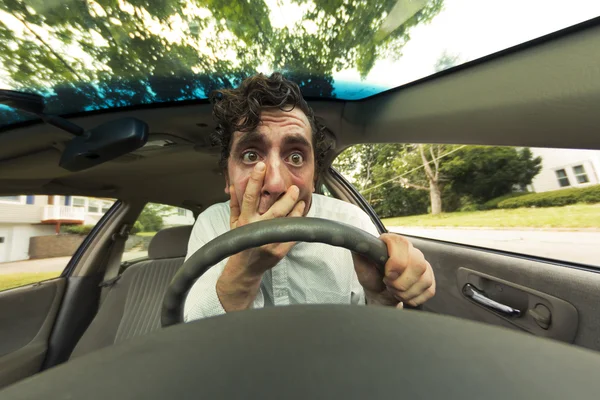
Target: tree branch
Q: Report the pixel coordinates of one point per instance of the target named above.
(405, 182)
(62, 60)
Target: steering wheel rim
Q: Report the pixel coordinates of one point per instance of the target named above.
(280, 230)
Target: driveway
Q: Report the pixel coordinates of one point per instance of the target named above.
(575, 246)
(56, 264)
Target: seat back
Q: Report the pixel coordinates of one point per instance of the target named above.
(132, 306)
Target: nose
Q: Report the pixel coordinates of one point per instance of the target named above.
(275, 183)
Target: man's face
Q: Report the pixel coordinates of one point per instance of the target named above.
(283, 141)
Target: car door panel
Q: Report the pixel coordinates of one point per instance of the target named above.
(570, 294)
(27, 315)
(528, 309)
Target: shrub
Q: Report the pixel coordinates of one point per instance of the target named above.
(78, 229)
(470, 207)
(555, 198)
(493, 203)
(137, 227)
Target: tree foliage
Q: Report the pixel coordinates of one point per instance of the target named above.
(373, 169)
(394, 180)
(486, 172)
(152, 217)
(90, 54)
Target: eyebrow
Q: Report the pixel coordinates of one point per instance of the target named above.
(248, 139)
(254, 138)
(296, 139)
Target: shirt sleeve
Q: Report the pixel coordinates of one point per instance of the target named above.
(202, 300)
(363, 221)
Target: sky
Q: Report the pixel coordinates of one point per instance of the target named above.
(467, 29)
(471, 29)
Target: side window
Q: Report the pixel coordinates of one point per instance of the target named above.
(324, 191)
(152, 219)
(535, 201)
(40, 233)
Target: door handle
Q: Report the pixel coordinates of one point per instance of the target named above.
(479, 297)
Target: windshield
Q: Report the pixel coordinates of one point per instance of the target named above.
(88, 55)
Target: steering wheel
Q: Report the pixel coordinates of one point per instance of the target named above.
(257, 234)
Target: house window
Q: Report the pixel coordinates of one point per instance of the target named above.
(94, 206)
(580, 174)
(106, 206)
(563, 180)
(182, 212)
(78, 202)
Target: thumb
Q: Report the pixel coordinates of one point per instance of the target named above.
(368, 274)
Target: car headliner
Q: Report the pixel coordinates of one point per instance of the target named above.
(542, 94)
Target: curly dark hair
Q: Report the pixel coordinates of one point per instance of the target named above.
(239, 110)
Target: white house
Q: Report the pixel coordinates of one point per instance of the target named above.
(23, 217)
(565, 168)
(180, 217)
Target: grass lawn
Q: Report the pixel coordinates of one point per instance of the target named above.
(8, 281)
(149, 234)
(573, 216)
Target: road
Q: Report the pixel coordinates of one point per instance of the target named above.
(580, 247)
(575, 246)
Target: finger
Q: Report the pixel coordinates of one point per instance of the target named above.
(417, 266)
(234, 207)
(252, 193)
(400, 305)
(279, 250)
(423, 297)
(298, 210)
(398, 248)
(424, 283)
(405, 264)
(284, 205)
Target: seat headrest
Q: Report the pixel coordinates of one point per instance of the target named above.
(170, 242)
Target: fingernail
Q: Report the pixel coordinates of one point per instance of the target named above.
(392, 276)
(260, 167)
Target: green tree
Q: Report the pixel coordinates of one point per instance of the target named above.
(152, 217)
(482, 173)
(371, 169)
(348, 34)
(430, 158)
(446, 61)
(105, 53)
(414, 178)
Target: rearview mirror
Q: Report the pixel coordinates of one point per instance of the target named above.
(104, 143)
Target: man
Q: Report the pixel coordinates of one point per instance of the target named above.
(272, 150)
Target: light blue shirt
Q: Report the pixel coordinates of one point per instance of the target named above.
(311, 273)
